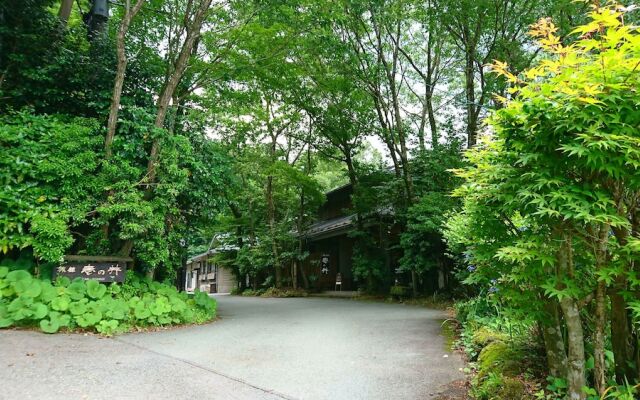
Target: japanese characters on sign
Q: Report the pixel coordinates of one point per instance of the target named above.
(100, 271)
(324, 264)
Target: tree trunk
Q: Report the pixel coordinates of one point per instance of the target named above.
(118, 84)
(414, 283)
(622, 342)
(271, 211)
(553, 339)
(294, 274)
(305, 280)
(65, 11)
(575, 335)
(432, 123)
(300, 224)
(192, 34)
(351, 171)
(472, 122)
(575, 338)
(621, 338)
(600, 368)
(116, 96)
(423, 123)
(272, 228)
(121, 67)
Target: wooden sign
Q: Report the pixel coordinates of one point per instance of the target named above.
(324, 264)
(102, 269)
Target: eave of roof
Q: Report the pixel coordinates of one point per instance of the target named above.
(326, 226)
(200, 256)
(339, 188)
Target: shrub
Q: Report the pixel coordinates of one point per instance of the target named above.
(251, 292)
(275, 292)
(89, 305)
(397, 291)
(485, 336)
(500, 357)
(499, 387)
(499, 366)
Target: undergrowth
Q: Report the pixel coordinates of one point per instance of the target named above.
(26, 301)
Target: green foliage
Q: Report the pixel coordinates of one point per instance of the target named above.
(251, 292)
(368, 263)
(616, 392)
(484, 336)
(398, 291)
(95, 289)
(26, 301)
(45, 180)
(53, 183)
(47, 67)
(423, 248)
(556, 388)
(499, 357)
(556, 179)
(499, 387)
(501, 360)
(275, 292)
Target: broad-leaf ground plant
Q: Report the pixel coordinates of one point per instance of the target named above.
(26, 302)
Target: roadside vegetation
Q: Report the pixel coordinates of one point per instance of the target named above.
(549, 226)
(79, 305)
(495, 141)
(272, 292)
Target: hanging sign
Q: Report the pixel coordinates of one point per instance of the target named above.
(324, 264)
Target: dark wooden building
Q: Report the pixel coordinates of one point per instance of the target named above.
(331, 248)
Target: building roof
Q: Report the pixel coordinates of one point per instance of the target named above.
(339, 188)
(200, 257)
(328, 227)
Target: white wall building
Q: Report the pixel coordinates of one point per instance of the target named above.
(202, 272)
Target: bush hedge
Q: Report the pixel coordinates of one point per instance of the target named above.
(26, 301)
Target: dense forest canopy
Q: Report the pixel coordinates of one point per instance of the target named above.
(145, 128)
(196, 117)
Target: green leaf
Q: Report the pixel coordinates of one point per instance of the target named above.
(18, 275)
(142, 311)
(40, 311)
(61, 303)
(78, 307)
(95, 289)
(49, 326)
(76, 290)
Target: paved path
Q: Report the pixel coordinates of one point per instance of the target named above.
(312, 348)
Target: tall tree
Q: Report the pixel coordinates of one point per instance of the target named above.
(194, 18)
(121, 66)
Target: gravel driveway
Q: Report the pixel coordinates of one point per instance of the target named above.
(311, 348)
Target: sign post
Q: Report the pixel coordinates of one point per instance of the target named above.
(99, 268)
